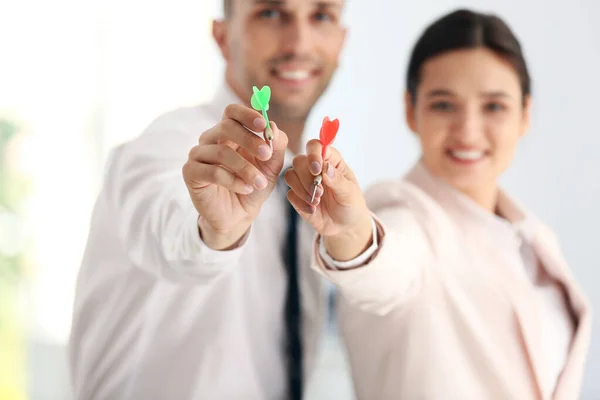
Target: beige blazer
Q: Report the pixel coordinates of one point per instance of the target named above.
(444, 310)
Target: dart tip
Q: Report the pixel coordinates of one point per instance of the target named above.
(269, 136)
(316, 183)
(269, 133)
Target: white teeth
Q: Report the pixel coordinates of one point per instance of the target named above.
(467, 155)
(295, 75)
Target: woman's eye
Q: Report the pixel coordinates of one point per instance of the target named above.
(442, 106)
(494, 107)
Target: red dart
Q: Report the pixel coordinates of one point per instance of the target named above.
(329, 130)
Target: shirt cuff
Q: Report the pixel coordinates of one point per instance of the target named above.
(208, 254)
(355, 262)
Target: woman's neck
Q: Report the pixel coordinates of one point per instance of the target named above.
(486, 197)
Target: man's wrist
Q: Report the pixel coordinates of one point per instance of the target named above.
(221, 241)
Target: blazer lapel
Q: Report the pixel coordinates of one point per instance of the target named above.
(569, 382)
(527, 313)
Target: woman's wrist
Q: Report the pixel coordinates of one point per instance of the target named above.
(351, 242)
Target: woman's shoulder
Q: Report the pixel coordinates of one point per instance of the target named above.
(395, 193)
(401, 204)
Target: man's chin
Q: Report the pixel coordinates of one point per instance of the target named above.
(289, 108)
(300, 98)
(292, 112)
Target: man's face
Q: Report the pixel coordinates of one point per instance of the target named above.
(292, 46)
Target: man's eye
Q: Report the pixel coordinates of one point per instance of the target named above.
(270, 14)
(321, 16)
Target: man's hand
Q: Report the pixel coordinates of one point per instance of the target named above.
(230, 174)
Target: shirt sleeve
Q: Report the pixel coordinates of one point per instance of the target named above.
(157, 222)
(393, 275)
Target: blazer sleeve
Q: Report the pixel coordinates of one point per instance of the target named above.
(397, 272)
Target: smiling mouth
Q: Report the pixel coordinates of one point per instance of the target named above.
(294, 74)
(466, 156)
(294, 77)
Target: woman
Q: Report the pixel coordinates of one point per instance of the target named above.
(460, 293)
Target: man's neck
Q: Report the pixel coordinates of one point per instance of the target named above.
(293, 128)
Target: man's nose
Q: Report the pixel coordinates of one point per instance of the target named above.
(298, 37)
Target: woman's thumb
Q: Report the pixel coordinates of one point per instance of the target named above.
(341, 187)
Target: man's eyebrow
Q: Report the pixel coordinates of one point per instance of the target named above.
(328, 4)
(272, 2)
(440, 92)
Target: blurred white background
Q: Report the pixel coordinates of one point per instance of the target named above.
(82, 76)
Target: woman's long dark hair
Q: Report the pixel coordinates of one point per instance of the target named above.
(465, 29)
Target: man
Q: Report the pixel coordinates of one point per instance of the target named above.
(188, 288)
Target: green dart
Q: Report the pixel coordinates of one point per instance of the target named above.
(260, 102)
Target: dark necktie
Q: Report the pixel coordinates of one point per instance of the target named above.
(292, 313)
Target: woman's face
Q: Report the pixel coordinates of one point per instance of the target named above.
(469, 116)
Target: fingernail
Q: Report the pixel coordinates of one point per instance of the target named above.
(319, 192)
(330, 170)
(260, 181)
(314, 201)
(248, 189)
(259, 123)
(264, 152)
(315, 167)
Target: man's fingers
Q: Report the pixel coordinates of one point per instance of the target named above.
(280, 141)
(245, 116)
(198, 175)
(235, 133)
(219, 154)
(272, 167)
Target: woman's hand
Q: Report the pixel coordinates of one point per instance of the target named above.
(339, 211)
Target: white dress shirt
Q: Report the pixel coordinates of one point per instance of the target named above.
(556, 316)
(158, 314)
